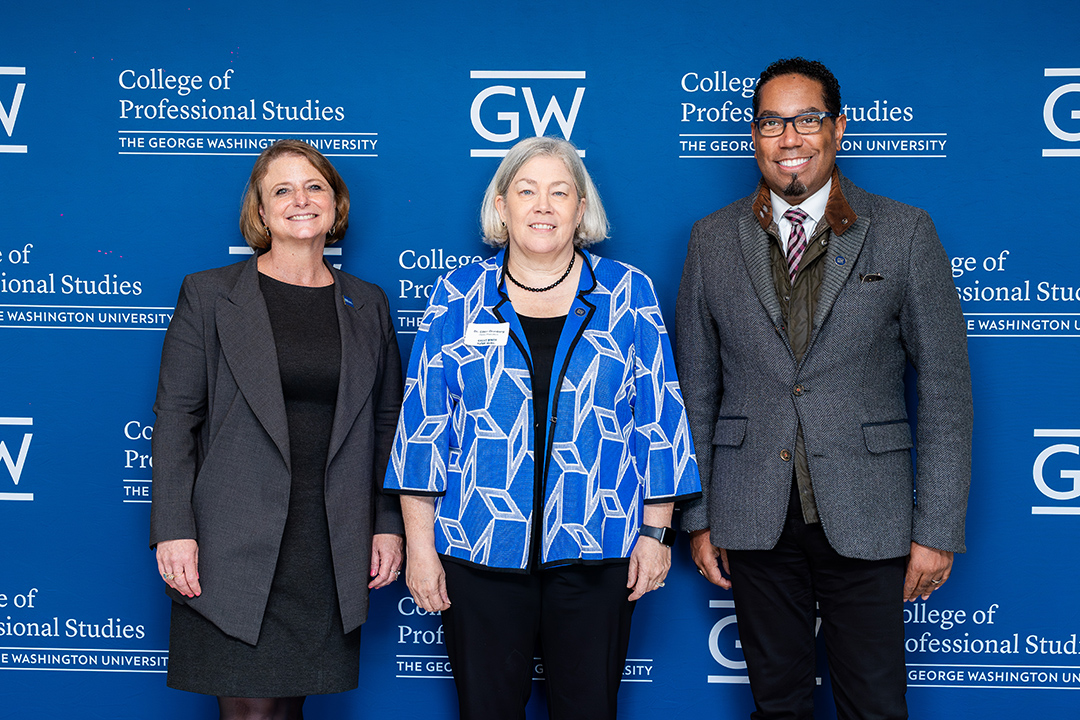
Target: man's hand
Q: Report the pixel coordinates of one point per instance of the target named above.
(927, 570)
(705, 556)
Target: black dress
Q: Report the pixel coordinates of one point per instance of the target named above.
(302, 648)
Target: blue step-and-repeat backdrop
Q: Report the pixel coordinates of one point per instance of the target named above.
(128, 132)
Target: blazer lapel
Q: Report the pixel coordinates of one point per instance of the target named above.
(359, 362)
(755, 250)
(839, 260)
(247, 341)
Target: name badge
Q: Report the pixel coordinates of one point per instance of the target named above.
(486, 335)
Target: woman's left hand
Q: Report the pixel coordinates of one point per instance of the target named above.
(386, 556)
(649, 565)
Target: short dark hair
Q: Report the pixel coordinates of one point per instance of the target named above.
(830, 88)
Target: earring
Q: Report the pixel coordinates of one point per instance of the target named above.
(333, 230)
(266, 230)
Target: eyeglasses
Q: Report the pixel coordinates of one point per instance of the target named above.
(804, 124)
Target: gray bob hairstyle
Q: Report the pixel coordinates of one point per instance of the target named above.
(594, 224)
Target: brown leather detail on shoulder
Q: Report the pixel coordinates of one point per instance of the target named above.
(763, 206)
(838, 213)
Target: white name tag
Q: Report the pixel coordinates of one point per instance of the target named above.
(485, 335)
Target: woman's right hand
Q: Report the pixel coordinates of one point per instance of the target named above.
(424, 572)
(426, 579)
(178, 565)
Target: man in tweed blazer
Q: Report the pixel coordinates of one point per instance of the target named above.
(799, 310)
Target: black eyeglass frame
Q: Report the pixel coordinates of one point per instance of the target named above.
(756, 122)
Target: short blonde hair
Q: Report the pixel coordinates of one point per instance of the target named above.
(251, 223)
(594, 224)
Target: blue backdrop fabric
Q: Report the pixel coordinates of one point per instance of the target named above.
(127, 132)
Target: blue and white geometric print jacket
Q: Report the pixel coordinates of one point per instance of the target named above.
(617, 435)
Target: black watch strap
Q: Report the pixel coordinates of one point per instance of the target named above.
(664, 535)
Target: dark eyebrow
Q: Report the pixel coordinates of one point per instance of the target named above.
(773, 113)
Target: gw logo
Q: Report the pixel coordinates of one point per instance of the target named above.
(511, 131)
(723, 639)
(1050, 106)
(14, 464)
(1038, 472)
(8, 114)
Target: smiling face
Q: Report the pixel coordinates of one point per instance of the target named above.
(796, 166)
(297, 201)
(541, 207)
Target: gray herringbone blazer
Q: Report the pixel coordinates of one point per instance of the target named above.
(221, 443)
(745, 395)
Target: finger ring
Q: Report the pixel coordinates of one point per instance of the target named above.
(396, 573)
(659, 584)
(168, 576)
(936, 582)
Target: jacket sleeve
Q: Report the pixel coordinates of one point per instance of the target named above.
(664, 451)
(387, 412)
(934, 336)
(698, 360)
(422, 441)
(180, 407)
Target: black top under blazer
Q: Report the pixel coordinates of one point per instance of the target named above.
(221, 443)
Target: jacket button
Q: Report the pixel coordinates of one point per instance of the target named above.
(785, 455)
(798, 390)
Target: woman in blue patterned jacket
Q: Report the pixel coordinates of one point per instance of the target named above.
(541, 446)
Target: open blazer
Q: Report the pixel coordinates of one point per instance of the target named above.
(887, 299)
(617, 432)
(221, 443)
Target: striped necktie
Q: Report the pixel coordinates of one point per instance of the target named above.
(796, 241)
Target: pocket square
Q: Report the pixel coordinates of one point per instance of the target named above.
(870, 277)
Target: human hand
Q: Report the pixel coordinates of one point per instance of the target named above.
(927, 571)
(426, 579)
(705, 556)
(178, 565)
(387, 554)
(649, 565)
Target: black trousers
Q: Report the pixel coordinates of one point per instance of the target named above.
(861, 605)
(577, 616)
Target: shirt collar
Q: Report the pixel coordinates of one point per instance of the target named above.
(837, 213)
(814, 206)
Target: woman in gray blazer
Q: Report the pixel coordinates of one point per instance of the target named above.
(278, 396)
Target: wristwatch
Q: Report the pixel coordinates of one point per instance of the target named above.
(664, 535)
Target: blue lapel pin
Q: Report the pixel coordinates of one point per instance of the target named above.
(347, 300)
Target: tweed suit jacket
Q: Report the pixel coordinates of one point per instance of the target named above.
(886, 300)
(221, 443)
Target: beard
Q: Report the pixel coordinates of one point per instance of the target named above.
(795, 188)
